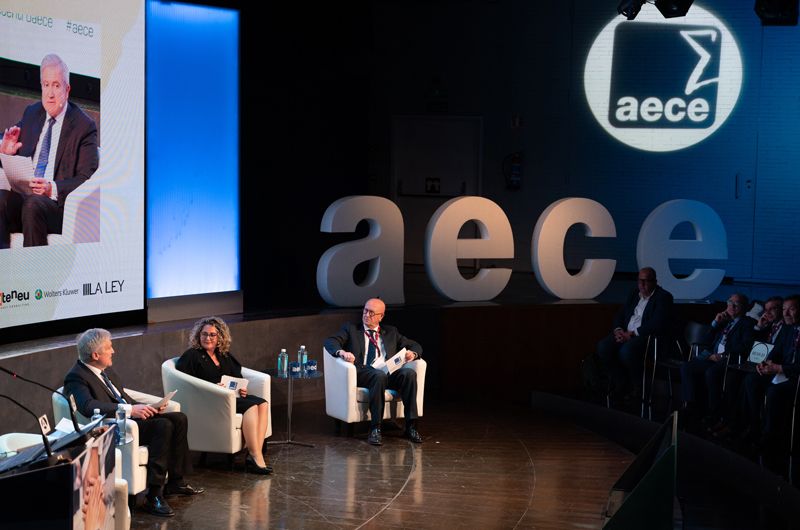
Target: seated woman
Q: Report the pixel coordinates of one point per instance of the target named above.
(209, 358)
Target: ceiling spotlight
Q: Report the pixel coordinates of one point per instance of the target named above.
(673, 8)
(630, 8)
(777, 12)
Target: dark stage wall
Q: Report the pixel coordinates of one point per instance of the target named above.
(486, 353)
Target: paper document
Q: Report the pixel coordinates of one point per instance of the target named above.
(18, 172)
(392, 364)
(396, 361)
(234, 383)
(62, 427)
(779, 378)
(163, 401)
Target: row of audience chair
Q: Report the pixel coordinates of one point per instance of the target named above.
(695, 336)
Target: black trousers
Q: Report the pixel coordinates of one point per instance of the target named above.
(34, 215)
(712, 373)
(777, 406)
(165, 436)
(404, 381)
(624, 362)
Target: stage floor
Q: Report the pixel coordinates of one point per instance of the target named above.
(478, 468)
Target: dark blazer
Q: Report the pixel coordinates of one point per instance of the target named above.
(197, 363)
(90, 392)
(763, 335)
(785, 353)
(351, 338)
(76, 156)
(739, 341)
(657, 313)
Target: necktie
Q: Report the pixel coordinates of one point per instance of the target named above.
(44, 153)
(371, 350)
(112, 389)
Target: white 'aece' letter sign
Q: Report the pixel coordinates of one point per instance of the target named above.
(383, 249)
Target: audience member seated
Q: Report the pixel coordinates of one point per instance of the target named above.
(647, 311)
(95, 386)
(776, 378)
(771, 320)
(733, 338)
(209, 358)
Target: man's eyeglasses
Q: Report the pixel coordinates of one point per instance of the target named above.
(208, 335)
(370, 313)
(734, 304)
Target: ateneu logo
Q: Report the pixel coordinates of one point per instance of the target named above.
(14, 296)
(114, 286)
(663, 84)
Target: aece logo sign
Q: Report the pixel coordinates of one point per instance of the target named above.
(661, 84)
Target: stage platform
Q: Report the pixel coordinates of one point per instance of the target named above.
(480, 467)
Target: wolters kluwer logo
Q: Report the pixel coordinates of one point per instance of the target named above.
(37, 294)
(661, 84)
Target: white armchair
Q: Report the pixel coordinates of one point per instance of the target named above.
(214, 425)
(134, 456)
(17, 441)
(349, 403)
(81, 218)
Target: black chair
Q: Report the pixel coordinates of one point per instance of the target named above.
(668, 360)
(792, 432)
(696, 336)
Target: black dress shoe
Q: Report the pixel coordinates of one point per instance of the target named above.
(374, 437)
(250, 466)
(157, 505)
(412, 434)
(182, 489)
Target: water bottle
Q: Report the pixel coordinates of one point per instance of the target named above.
(121, 420)
(283, 363)
(96, 415)
(302, 359)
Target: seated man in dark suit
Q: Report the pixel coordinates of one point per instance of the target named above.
(367, 342)
(733, 338)
(96, 386)
(62, 142)
(647, 311)
(777, 378)
(771, 320)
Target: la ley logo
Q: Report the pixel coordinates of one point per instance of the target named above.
(661, 84)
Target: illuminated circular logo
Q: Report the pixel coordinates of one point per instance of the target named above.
(38, 294)
(661, 84)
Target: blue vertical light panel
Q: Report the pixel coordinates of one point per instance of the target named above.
(192, 149)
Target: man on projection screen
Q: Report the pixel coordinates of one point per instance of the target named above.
(62, 143)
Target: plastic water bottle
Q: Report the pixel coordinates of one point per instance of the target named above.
(283, 363)
(302, 359)
(121, 421)
(96, 415)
